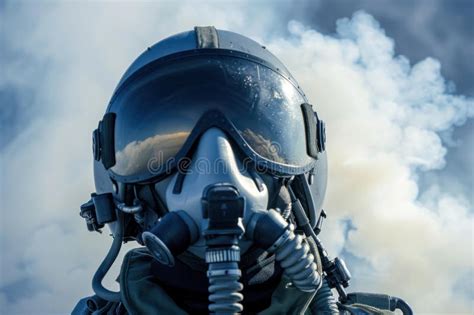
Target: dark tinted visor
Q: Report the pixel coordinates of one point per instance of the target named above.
(157, 112)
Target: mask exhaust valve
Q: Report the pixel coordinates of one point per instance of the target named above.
(223, 209)
(171, 236)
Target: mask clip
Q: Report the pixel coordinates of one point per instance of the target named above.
(100, 209)
(89, 215)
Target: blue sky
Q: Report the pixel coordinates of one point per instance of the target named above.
(393, 82)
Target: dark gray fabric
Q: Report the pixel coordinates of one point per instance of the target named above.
(287, 299)
(142, 295)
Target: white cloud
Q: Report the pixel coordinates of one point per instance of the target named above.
(384, 118)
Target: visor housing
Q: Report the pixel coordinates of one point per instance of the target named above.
(158, 113)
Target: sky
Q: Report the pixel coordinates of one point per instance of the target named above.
(392, 79)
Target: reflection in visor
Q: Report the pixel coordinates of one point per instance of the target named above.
(157, 112)
(264, 146)
(150, 154)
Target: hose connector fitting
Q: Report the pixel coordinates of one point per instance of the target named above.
(171, 236)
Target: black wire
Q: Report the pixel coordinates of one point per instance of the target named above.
(104, 267)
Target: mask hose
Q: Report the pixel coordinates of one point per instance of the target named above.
(324, 301)
(107, 263)
(224, 286)
(223, 209)
(270, 231)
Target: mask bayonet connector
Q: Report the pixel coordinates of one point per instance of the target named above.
(223, 208)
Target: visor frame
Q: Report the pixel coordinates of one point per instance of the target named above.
(210, 119)
(205, 122)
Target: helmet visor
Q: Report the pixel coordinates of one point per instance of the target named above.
(157, 112)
